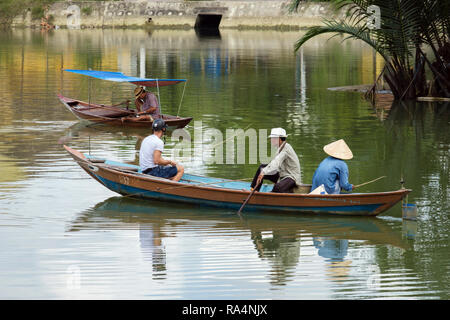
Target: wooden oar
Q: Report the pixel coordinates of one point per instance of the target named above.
(248, 198)
(256, 187)
(363, 184)
(112, 119)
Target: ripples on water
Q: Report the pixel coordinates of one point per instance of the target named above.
(63, 235)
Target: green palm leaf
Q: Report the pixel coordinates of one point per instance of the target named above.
(360, 33)
(405, 26)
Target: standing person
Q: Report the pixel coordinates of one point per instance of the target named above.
(146, 103)
(332, 172)
(150, 155)
(284, 169)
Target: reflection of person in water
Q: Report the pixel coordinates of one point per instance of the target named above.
(282, 248)
(153, 249)
(335, 251)
(137, 147)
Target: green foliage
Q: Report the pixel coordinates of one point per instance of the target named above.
(37, 12)
(51, 19)
(405, 26)
(9, 9)
(86, 11)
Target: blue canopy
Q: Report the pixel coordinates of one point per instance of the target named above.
(120, 77)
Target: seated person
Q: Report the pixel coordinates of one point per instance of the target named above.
(332, 172)
(283, 170)
(146, 103)
(150, 160)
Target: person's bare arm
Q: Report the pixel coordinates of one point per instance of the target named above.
(138, 105)
(159, 160)
(151, 110)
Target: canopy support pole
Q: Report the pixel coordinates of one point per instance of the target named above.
(182, 95)
(159, 98)
(89, 90)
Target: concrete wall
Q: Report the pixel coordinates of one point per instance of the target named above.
(159, 14)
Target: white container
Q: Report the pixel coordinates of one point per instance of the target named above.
(319, 190)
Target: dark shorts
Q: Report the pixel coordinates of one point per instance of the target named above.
(162, 171)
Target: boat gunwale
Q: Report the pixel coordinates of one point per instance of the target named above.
(65, 100)
(179, 185)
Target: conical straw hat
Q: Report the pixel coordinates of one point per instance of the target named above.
(339, 149)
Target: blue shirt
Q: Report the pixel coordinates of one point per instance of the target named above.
(330, 170)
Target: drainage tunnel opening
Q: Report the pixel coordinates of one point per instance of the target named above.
(208, 21)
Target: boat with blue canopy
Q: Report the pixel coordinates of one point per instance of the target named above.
(122, 116)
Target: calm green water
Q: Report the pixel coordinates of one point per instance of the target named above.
(63, 235)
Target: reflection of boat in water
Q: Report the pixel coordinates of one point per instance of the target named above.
(81, 129)
(117, 116)
(126, 179)
(121, 212)
(276, 239)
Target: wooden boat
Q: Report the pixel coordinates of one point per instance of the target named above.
(126, 180)
(115, 115)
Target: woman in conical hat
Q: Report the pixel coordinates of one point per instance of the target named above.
(332, 172)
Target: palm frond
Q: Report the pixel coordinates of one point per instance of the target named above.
(340, 27)
(405, 26)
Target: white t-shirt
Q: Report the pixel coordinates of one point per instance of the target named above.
(148, 147)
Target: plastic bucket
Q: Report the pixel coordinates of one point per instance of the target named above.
(409, 211)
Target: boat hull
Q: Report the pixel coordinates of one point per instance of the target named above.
(138, 185)
(115, 116)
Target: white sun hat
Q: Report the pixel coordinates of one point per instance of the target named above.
(278, 133)
(338, 149)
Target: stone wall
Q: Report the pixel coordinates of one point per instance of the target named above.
(159, 14)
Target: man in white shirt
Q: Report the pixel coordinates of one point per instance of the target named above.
(150, 155)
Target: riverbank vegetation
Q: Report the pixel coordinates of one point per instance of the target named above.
(413, 37)
(9, 9)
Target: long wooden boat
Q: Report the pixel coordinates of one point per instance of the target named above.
(126, 180)
(116, 116)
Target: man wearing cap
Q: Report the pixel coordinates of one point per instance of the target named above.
(284, 169)
(146, 103)
(150, 155)
(332, 172)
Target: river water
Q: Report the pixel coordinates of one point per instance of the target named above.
(64, 236)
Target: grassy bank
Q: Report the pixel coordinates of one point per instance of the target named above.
(9, 9)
